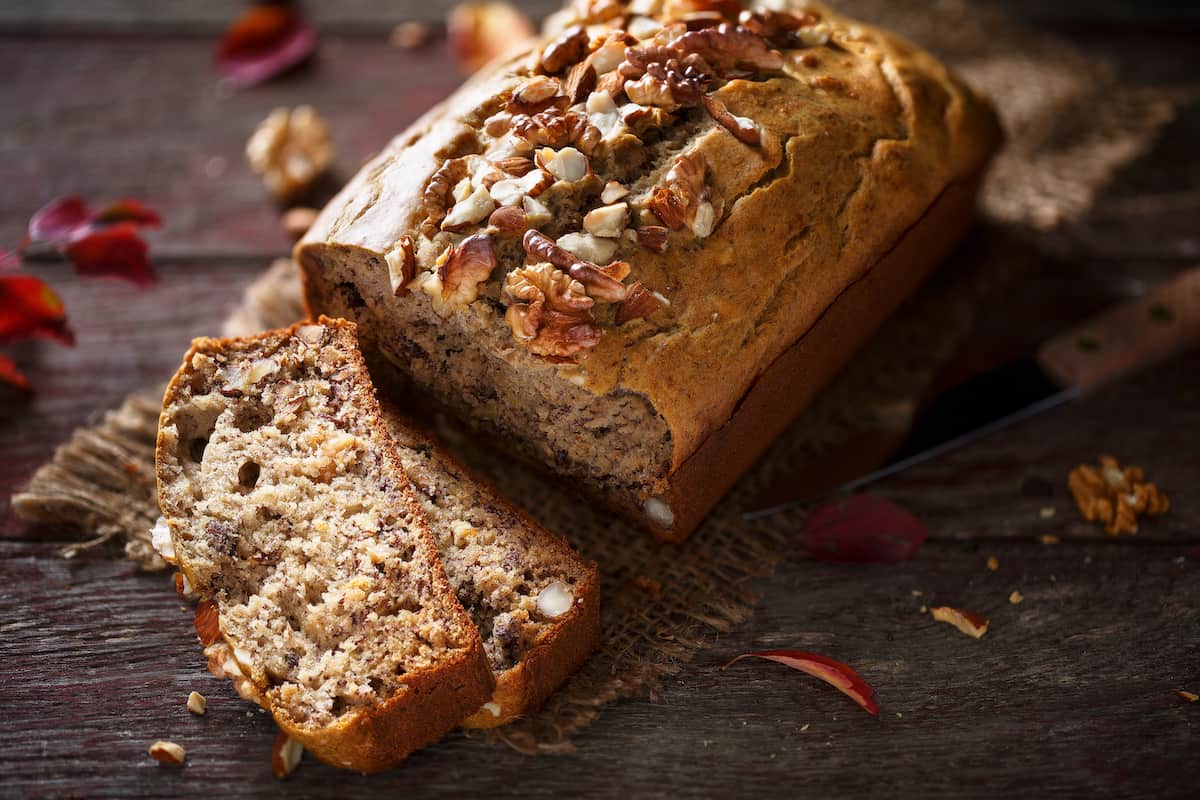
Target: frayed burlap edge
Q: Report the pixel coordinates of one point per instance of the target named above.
(1071, 124)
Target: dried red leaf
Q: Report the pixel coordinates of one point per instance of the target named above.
(116, 252)
(862, 529)
(838, 675)
(265, 42)
(128, 210)
(30, 308)
(59, 220)
(11, 375)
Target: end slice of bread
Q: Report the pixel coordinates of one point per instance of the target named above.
(535, 601)
(290, 515)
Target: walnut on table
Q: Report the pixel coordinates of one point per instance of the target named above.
(1115, 495)
(290, 149)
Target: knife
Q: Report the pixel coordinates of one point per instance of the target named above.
(1134, 334)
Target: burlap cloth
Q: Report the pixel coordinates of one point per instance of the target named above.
(1070, 124)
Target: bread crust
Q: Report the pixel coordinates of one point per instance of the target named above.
(439, 696)
(565, 646)
(856, 150)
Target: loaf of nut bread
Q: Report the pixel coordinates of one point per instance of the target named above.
(635, 252)
(289, 514)
(535, 601)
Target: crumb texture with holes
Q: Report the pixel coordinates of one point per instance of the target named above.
(289, 510)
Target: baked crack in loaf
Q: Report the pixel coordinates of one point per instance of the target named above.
(535, 601)
(635, 252)
(290, 515)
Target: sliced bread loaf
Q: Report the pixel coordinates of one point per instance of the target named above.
(289, 514)
(535, 601)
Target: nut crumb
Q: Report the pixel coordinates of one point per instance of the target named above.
(1047, 512)
(197, 703)
(168, 753)
(1191, 697)
(1049, 538)
(285, 755)
(1115, 495)
(1016, 597)
(993, 563)
(289, 150)
(968, 622)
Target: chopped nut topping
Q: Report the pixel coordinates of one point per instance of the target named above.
(1016, 597)
(536, 212)
(290, 150)
(604, 115)
(652, 237)
(993, 563)
(285, 755)
(745, 130)
(779, 28)
(639, 303)
(460, 270)
(613, 191)
(552, 128)
(674, 202)
(508, 221)
(533, 95)
(968, 622)
(549, 311)
(512, 191)
(580, 82)
(208, 622)
(515, 165)
(587, 247)
(160, 540)
(439, 191)
(196, 703)
(1115, 495)
(470, 210)
(670, 84)
(607, 221)
(602, 283)
(402, 265)
(642, 28)
(570, 47)
(567, 164)
(168, 753)
(610, 52)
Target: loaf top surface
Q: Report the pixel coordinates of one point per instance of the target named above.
(662, 197)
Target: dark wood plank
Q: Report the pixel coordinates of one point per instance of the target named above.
(1070, 691)
(146, 117)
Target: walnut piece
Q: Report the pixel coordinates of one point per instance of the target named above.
(639, 303)
(402, 265)
(970, 623)
(1115, 495)
(549, 311)
(196, 703)
(744, 130)
(676, 200)
(554, 128)
(290, 149)
(601, 283)
(569, 47)
(168, 753)
(439, 191)
(460, 270)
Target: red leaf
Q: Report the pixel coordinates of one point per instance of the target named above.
(9, 261)
(862, 529)
(838, 675)
(266, 41)
(59, 220)
(11, 375)
(128, 210)
(29, 308)
(115, 252)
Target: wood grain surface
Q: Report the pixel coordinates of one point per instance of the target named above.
(1071, 692)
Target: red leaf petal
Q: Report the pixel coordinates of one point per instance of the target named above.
(11, 375)
(30, 308)
(862, 529)
(838, 675)
(59, 220)
(115, 252)
(128, 210)
(266, 41)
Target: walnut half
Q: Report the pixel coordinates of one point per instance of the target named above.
(549, 311)
(460, 269)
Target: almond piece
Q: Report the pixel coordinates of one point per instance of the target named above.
(607, 221)
(285, 755)
(168, 753)
(208, 622)
(197, 703)
(970, 623)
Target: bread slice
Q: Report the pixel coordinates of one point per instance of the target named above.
(535, 601)
(289, 514)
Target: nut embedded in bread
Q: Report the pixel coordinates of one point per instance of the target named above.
(535, 601)
(289, 512)
(682, 219)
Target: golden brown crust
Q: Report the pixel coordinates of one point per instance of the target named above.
(859, 139)
(438, 697)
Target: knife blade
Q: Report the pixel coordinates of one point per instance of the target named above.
(1132, 335)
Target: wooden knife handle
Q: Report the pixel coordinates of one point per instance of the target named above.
(1134, 334)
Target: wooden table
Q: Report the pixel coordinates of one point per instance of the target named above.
(1070, 693)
